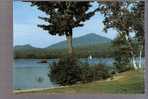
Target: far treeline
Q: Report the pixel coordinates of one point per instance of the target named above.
(98, 51)
(105, 50)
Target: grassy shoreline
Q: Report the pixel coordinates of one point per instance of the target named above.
(130, 82)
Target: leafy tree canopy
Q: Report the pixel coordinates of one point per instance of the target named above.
(63, 16)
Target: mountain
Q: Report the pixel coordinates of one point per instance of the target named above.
(24, 47)
(86, 40)
(90, 44)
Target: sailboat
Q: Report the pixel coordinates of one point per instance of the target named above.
(90, 57)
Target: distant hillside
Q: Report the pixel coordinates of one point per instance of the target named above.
(24, 47)
(86, 40)
(90, 44)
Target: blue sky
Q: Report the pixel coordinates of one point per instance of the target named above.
(25, 30)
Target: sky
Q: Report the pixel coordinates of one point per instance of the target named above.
(25, 30)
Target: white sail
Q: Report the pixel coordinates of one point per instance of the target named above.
(90, 57)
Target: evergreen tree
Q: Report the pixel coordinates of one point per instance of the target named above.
(63, 16)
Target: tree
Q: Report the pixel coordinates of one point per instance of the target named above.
(121, 53)
(63, 16)
(65, 72)
(119, 15)
(138, 26)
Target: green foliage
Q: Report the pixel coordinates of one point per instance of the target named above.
(121, 53)
(100, 72)
(86, 73)
(138, 21)
(127, 17)
(65, 72)
(69, 71)
(91, 73)
(119, 15)
(96, 50)
(63, 16)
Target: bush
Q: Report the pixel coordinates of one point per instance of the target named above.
(86, 73)
(122, 65)
(122, 68)
(101, 72)
(66, 71)
(91, 73)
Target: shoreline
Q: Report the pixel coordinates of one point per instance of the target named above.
(125, 79)
(33, 89)
(37, 89)
(58, 87)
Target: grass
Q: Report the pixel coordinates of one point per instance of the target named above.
(131, 82)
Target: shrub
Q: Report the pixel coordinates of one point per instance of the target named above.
(91, 73)
(68, 71)
(120, 67)
(65, 72)
(86, 73)
(101, 72)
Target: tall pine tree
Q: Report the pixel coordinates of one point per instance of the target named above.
(63, 16)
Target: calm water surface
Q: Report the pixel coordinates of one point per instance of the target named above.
(29, 73)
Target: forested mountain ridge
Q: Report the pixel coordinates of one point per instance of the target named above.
(93, 44)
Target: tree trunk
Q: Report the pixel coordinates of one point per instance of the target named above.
(134, 63)
(69, 43)
(140, 57)
(132, 53)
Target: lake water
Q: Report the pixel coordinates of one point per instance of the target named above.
(28, 73)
